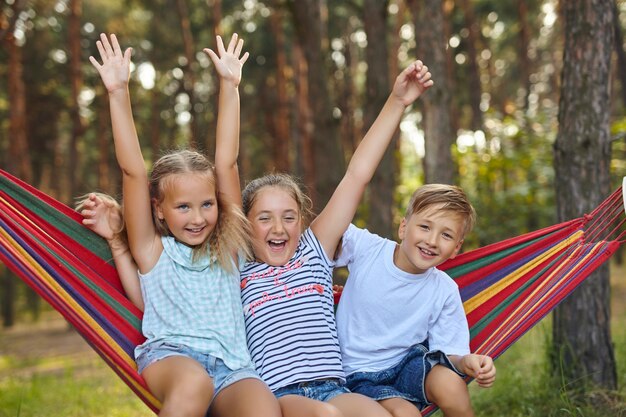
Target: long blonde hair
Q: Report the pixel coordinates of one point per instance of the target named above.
(231, 233)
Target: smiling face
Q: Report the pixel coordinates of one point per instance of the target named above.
(276, 225)
(189, 208)
(429, 238)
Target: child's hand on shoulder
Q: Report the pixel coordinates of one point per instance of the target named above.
(228, 61)
(479, 367)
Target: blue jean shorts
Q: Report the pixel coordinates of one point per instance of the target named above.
(404, 380)
(321, 389)
(221, 374)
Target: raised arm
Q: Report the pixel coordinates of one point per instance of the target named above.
(115, 73)
(332, 222)
(228, 63)
(103, 215)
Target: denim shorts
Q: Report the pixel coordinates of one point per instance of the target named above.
(404, 380)
(321, 389)
(221, 374)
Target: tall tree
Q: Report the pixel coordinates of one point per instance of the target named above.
(428, 16)
(582, 152)
(377, 89)
(76, 82)
(280, 119)
(619, 51)
(329, 162)
(189, 80)
(473, 36)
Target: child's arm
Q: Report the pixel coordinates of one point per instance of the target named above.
(228, 65)
(104, 217)
(143, 239)
(479, 367)
(332, 222)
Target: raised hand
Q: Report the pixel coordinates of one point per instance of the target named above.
(412, 82)
(228, 62)
(103, 215)
(115, 67)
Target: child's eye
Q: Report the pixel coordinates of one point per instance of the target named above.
(207, 204)
(447, 236)
(290, 219)
(264, 219)
(423, 227)
(183, 207)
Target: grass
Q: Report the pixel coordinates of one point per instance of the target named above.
(91, 390)
(81, 384)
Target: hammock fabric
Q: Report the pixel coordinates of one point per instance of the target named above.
(506, 287)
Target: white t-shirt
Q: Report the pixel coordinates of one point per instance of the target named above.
(384, 311)
(289, 317)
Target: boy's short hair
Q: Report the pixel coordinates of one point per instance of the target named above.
(452, 197)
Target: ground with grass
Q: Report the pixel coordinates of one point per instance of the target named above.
(48, 370)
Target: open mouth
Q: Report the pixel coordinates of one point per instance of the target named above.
(276, 245)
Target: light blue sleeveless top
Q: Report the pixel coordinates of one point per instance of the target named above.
(196, 304)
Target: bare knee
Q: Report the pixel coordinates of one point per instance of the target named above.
(326, 410)
(399, 407)
(449, 392)
(184, 406)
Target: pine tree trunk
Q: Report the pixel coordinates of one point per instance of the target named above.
(76, 82)
(583, 352)
(381, 188)
(329, 162)
(189, 79)
(438, 135)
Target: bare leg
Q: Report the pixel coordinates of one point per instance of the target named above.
(399, 407)
(249, 397)
(298, 406)
(446, 389)
(182, 384)
(357, 405)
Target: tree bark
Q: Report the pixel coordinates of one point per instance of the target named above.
(76, 82)
(281, 125)
(329, 162)
(619, 51)
(377, 89)
(189, 79)
(582, 338)
(438, 135)
(475, 90)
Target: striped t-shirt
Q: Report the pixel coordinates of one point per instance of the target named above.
(289, 317)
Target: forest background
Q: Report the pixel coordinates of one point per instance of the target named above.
(318, 74)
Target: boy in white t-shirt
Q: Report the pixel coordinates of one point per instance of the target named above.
(402, 328)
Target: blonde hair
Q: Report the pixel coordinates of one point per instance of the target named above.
(451, 197)
(231, 232)
(286, 183)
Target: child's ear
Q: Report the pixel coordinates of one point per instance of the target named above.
(157, 209)
(456, 249)
(402, 229)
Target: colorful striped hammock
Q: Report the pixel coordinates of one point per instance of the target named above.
(507, 287)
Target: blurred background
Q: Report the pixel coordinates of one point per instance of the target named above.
(318, 74)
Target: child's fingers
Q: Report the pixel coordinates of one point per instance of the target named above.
(220, 45)
(106, 45)
(211, 55)
(239, 47)
(95, 63)
(116, 45)
(233, 43)
(244, 58)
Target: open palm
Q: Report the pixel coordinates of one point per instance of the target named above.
(115, 67)
(227, 61)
